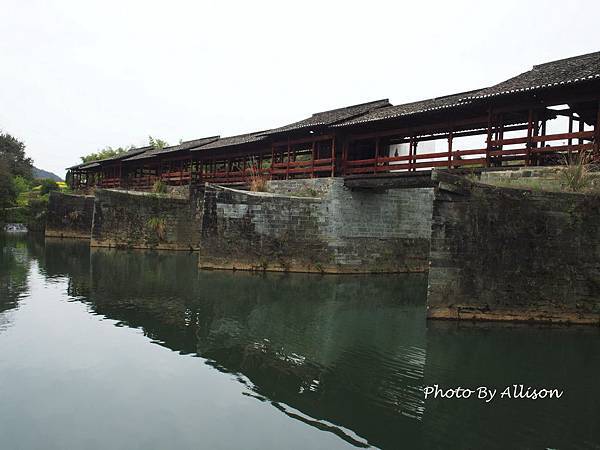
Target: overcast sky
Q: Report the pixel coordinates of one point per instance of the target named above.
(77, 76)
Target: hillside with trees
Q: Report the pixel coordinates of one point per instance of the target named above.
(41, 174)
(23, 197)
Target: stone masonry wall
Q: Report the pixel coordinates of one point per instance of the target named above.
(316, 225)
(513, 254)
(69, 216)
(131, 219)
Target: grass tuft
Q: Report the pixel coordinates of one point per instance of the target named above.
(577, 175)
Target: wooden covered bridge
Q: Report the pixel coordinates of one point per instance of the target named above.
(540, 117)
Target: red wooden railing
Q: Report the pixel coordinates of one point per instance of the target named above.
(531, 152)
(109, 182)
(409, 162)
(277, 170)
(477, 157)
(308, 167)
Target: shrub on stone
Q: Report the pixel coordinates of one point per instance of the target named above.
(258, 183)
(159, 226)
(159, 187)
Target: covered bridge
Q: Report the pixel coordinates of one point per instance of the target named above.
(540, 117)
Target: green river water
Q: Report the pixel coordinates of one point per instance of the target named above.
(115, 349)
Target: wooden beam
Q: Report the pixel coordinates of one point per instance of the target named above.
(396, 181)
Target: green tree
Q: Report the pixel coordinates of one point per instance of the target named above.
(22, 184)
(8, 193)
(157, 144)
(107, 152)
(48, 185)
(12, 152)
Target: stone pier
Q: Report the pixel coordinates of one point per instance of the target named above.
(513, 254)
(69, 216)
(316, 225)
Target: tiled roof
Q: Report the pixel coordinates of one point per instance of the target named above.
(332, 116)
(77, 166)
(188, 145)
(555, 73)
(86, 165)
(407, 109)
(230, 141)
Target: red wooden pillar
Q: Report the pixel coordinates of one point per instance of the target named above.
(260, 158)
(580, 140)
(345, 145)
(500, 137)
(570, 140)
(597, 133)
(333, 156)
(272, 160)
(543, 133)
(534, 144)
(415, 149)
(488, 147)
(312, 170)
(410, 153)
(376, 155)
(287, 166)
(529, 134)
(450, 138)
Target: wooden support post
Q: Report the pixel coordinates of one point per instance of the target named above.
(376, 155)
(415, 149)
(570, 140)
(287, 166)
(500, 137)
(345, 146)
(543, 133)
(410, 153)
(597, 134)
(450, 149)
(333, 156)
(488, 147)
(529, 134)
(272, 160)
(534, 144)
(312, 166)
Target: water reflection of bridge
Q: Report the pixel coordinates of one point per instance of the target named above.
(341, 353)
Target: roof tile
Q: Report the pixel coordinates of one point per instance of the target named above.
(406, 109)
(331, 117)
(561, 72)
(188, 145)
(230, 141)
